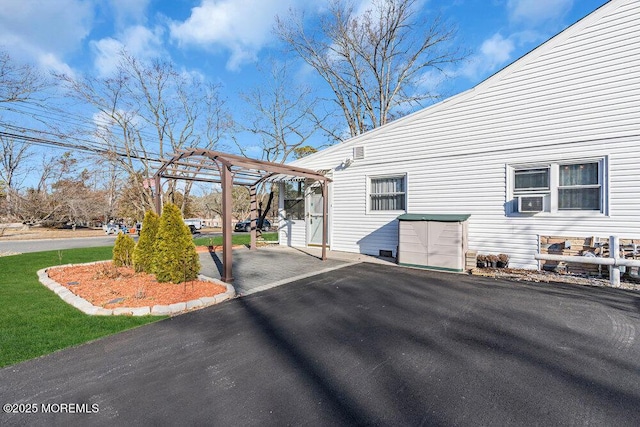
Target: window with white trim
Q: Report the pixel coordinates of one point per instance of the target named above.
(564, 186)
(387, 193)
(579, 187)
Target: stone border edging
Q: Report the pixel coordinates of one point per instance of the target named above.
(156, 310)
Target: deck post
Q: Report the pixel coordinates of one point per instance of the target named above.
(614, 270)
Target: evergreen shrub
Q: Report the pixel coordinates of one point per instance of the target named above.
(143, 254)
(176, 259)
(123, 250)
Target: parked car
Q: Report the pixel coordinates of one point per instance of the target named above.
(246, 225)
(194, 224)
(115, 228)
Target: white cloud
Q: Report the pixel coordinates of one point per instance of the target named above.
(494, 53)
(531, 22)
(44, 31)
(139, 41)
(496, 50)
(128, 12)
(535, 12)
(240, 26)
(51, 62)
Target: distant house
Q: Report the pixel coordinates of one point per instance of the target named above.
(548, 146)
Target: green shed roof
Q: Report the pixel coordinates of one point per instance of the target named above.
(434, 217)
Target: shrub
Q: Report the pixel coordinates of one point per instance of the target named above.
(123, 250)
(143, 254)
(175, 259)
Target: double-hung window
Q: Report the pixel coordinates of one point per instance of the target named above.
(579, 187)
(559, 186)
(388, 193)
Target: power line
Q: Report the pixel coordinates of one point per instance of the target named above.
(45, 115)
(60, 144)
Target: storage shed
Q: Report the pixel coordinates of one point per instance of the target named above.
(432, 241)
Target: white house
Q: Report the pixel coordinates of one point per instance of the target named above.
(548, 146)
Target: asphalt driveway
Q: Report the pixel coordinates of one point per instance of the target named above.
(364, 344)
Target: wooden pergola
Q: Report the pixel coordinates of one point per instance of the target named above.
(228, 170)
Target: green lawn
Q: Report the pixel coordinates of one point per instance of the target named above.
(34, 321)
(236, 239)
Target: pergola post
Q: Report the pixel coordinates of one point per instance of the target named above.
(227, 189)
(158, 194)
(252, 216)
(230, 169)
(325, 225)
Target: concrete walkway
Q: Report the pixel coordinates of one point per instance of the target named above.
(271, 266)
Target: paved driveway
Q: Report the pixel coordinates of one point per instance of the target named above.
(364, 344)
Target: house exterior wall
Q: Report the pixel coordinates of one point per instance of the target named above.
(576, 97)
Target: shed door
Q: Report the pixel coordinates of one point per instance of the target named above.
(445, 245)
(432, 244)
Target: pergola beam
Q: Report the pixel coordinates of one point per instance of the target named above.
(233, 169)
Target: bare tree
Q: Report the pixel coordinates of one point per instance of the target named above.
(48, 199)
(19, 82)
(281, 114)
(149, 110)
(12, 170)
(211, 203)
(374, 62)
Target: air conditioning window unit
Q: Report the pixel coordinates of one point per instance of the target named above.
(530, 204)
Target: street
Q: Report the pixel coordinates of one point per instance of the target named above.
(23, 246)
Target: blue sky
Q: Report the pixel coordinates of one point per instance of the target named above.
(224, 40)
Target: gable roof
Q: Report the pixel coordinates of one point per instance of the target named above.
(576, 28)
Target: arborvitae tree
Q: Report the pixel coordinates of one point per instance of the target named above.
(143, 254)
(123, 250)
(176, 259)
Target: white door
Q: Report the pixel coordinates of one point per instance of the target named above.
(314, 216)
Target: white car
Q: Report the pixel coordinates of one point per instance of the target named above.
(114, 228)
(194, 224)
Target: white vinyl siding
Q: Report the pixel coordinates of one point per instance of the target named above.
(572, 100)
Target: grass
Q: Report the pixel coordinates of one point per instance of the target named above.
(236, 239)
(34, 321)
